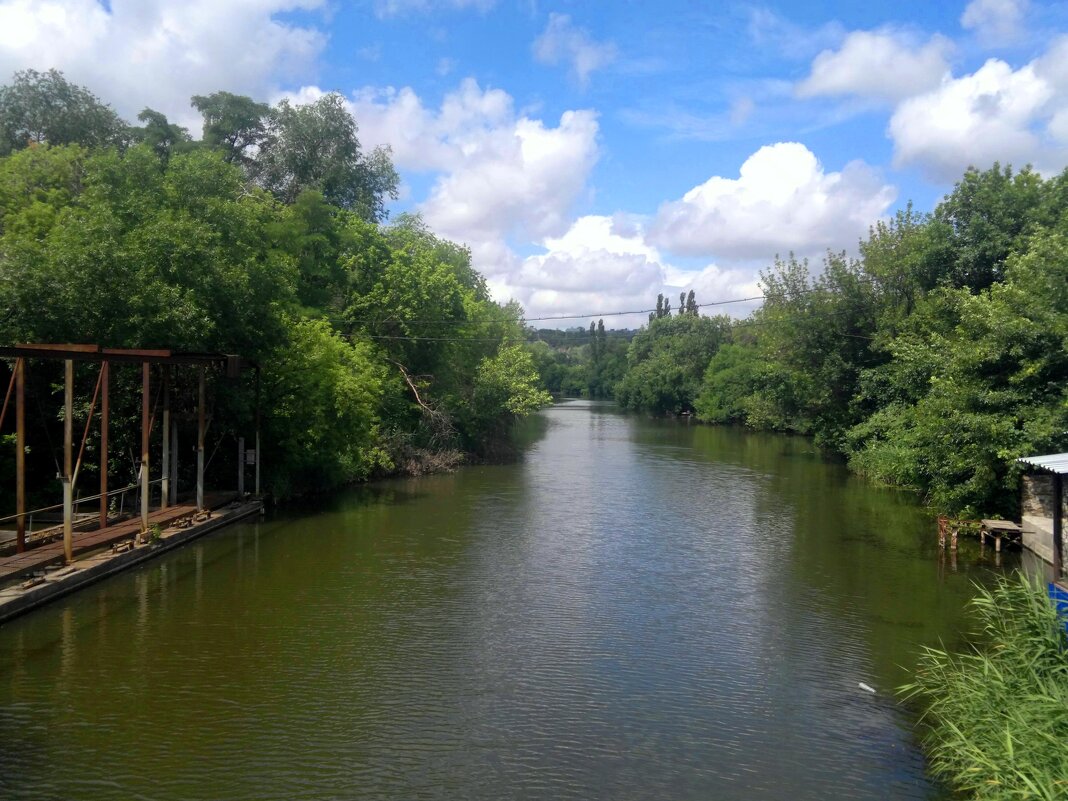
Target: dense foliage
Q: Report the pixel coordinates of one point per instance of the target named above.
(997, 716)
(931, 361)
(379, 344)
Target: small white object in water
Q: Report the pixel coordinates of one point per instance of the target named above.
(864, 686)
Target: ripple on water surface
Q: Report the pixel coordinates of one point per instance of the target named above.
(634, 611)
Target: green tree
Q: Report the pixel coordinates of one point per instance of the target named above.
(45, 108)
(235, 124)
(160, 134)
(314, 146)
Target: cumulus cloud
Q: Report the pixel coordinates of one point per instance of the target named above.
(994, 114)
(884, 64)
(995, 21)
(563, 42)
(137, 53)
(501, 174)
(783, 200)
(605, 264)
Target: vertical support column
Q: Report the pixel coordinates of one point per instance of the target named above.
(105, 416)
(68, 468)
(201, 400)
(165, 473)
(241, 468)
(257, 432)
(174, 463)
(145, 411)
(20, 454)
(1058, 526)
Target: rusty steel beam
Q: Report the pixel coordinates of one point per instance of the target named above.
(20, 454)
(145, 391)
(95, 353)
(68, 469)
(105, 412)
(201, 414)
(165, 484)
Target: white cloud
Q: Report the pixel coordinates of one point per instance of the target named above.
(562, 42)
(159, 52)
(393, 8)
(783, 200)
(884, 64)
(995, 21)
(993, 114)
(605, 264)
(501, 174)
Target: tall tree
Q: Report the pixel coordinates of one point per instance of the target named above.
(160, 134)
(235, 124)
(46, 108)
(314, 146)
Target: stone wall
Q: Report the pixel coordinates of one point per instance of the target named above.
(1036, 509)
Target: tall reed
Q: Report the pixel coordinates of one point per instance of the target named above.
(996, 716)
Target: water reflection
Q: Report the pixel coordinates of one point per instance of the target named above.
(633, 610)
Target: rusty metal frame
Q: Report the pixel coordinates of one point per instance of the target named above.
(230, 364)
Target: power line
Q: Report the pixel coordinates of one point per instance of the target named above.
(591, 315)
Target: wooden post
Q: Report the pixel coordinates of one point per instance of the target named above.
(241, 468)
(174, 463)
(201, 400)
(105, 412)
(145, 412)
(165, 473)
(1058, 525)
(20, 454)
(68, 467)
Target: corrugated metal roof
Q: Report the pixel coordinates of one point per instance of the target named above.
(1054, 462)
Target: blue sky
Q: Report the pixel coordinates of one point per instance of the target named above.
(593, 154)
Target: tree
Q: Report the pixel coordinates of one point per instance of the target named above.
(45, 108)
(159, 134)
(314, 146)
(235, 124)
(982, 218)
(667, 360)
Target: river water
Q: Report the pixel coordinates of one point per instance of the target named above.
(635, 610)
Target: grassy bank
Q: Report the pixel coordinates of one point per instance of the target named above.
(996, 716)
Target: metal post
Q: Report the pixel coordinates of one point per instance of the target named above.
(145, 411)
(20, 454)
(68, 468)
(174, 463)
(257, 432)
(241, 468)
(201, 400)
(1058, 526)
(105, 412)
(165, 473)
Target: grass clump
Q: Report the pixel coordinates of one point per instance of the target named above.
(996, 716)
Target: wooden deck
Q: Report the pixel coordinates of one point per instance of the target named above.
(24, 564)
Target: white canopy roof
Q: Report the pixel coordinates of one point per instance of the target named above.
(1054, 462)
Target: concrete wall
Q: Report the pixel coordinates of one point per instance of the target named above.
(1036, 510)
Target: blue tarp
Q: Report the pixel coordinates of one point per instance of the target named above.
(1059, 596)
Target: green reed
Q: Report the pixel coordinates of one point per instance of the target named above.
(996, 717)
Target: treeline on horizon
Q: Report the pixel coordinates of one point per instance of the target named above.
(931, 361)
(381, 349)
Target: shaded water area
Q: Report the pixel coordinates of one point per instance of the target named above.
(635, 610)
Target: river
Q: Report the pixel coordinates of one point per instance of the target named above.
(634, 610)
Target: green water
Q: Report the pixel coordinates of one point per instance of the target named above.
(635, 610)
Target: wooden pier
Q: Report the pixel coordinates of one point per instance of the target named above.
(45, 586)
(28, 562)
